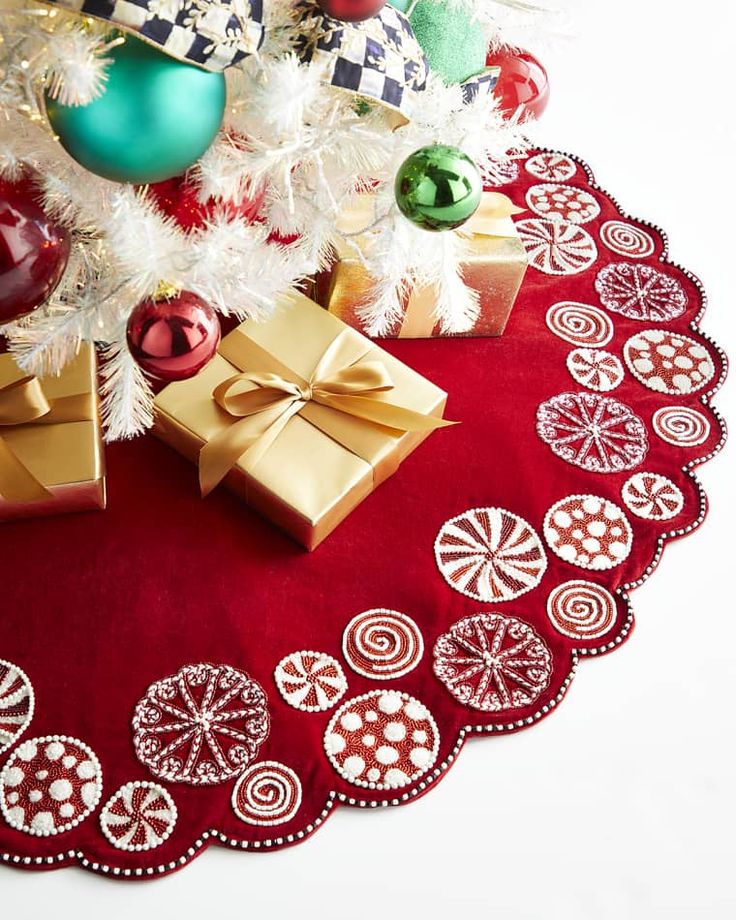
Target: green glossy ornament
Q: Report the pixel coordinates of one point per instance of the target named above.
(454, 43)
(154, 119)
(438, 188)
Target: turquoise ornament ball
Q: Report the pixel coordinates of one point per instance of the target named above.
(453, 41)
(438, 188)
(155, 117)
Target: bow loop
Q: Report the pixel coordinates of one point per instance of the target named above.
(23, 401)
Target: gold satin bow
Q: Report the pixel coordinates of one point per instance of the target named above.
(23, 402)
(263, 411)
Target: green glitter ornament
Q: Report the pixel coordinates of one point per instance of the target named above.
(438, 188)
(155, 117)
(453, 42)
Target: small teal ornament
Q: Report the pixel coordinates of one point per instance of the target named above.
(438, 188)
(155, 118)
(454, 43)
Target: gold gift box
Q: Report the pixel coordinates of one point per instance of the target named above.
(495, 266)
(53, 463)
(323, 463)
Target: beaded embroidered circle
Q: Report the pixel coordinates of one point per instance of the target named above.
(588, 531)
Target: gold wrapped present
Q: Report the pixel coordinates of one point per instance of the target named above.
(495, 266)
(301, 416)
(51, 458)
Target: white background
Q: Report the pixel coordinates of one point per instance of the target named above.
(621, 805)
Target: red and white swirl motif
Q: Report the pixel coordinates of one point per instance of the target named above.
(50, 785)
(267, 793)
(562, 202)
(627, 240)
(681, 426)
(16, 703)
(596, 433)
(493, 662)
(382, 644)
(588, 531)
(382, 740)
(580, 324)
(640, 292)
(490, 554)
(501, 173)
(139, 817)
(668, 362)
(310, 681)
(557, 248)
(581, 609)
(652, 497)
(551, 167)
(202, 725)
(595, 369)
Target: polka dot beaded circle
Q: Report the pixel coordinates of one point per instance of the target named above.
(588, 531)
(50, 785)
(384, 739)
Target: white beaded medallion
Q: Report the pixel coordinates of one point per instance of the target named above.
(597, 433)
(310, 681)
(596, 369)
(627, 240)
(490, 554)
(382, 740)
(555, 247)
(562, 202)
(139, 817)
(668, 362)
(640, 292)
(551, 167)
(17, 703)
(681, 426)
(382, 644)
(652, 497)
(580, 324)
(493, 662)
(588, 531)
(202, 725)
(266, 794)
(50, 785)
(581, 609)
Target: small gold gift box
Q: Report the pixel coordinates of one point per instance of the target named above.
(495, 266)
(51, 458)
(301, 416)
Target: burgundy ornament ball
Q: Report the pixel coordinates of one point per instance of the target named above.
(351, 10)
(173, 339)
(523, 82)
(34, 251)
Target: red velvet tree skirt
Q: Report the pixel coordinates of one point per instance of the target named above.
(153, 654)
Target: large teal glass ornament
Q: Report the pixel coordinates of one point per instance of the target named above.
(154, 119)
(438, 188)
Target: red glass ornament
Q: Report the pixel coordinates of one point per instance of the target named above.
(351, 10)
(178, 198)
(173, 339)
(34, 251)
(523, 82)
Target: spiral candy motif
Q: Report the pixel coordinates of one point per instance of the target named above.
(580, 324)
(581, 609)
(267, 793)
(382, 644)
(681, 426)
(627, 240)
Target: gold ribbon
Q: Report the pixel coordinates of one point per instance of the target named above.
(493, 218)
(23, 402)
(263, 402)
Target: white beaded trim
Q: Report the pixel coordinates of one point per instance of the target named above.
(69, 825)
(338, 798)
